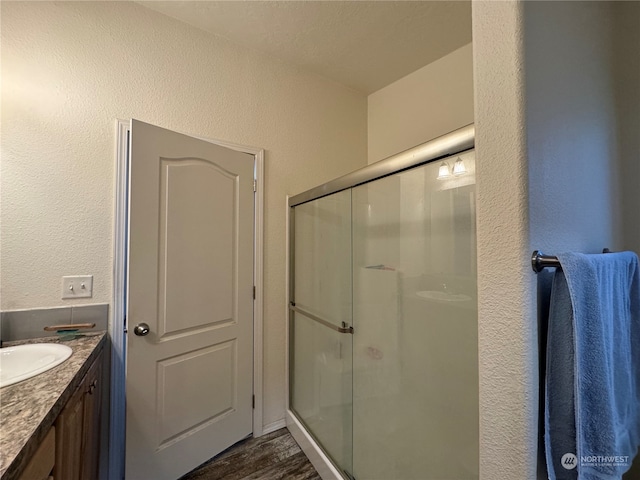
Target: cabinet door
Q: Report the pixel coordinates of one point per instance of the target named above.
(41, 464)
(92, 386)
(69, 428)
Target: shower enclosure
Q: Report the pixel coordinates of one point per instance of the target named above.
(383, 369)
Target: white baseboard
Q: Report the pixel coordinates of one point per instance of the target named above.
(273, 426)
(326, 469)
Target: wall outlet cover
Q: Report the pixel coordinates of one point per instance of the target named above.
(77, 286)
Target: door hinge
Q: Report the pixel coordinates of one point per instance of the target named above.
(254, 292)
(255, 185)
(253, 401)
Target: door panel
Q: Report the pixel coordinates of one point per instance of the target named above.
(189, 381)
(187, 204)
(181, 381)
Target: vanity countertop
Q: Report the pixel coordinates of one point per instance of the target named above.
(29, 408)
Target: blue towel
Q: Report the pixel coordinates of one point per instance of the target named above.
(592, 397)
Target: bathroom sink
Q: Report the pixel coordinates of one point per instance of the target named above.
(443, 296)
(25, 361)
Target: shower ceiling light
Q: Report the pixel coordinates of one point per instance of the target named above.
(459, 168)
(444, 171)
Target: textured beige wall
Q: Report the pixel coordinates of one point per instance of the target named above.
(506, 318)
(70, 69)
(572, 131)
(427, 103)
(626, 45)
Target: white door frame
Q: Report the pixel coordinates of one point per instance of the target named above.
(117, 320)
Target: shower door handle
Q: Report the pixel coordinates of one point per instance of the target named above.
(343, 329)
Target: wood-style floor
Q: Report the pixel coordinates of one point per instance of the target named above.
(273, 456)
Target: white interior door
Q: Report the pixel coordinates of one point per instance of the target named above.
(189, 379)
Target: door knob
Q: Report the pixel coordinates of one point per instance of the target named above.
(141, 329)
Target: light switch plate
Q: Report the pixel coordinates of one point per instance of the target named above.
(77, 286)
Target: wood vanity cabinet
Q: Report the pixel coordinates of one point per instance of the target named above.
(78, 429)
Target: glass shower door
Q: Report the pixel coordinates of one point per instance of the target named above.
(320, 324)
(415, 368)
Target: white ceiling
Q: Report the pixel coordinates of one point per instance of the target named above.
(365, 45)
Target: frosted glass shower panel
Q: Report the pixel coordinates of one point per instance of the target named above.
(322, 268)
(321, 380)
(321, 353)
(415, 370)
